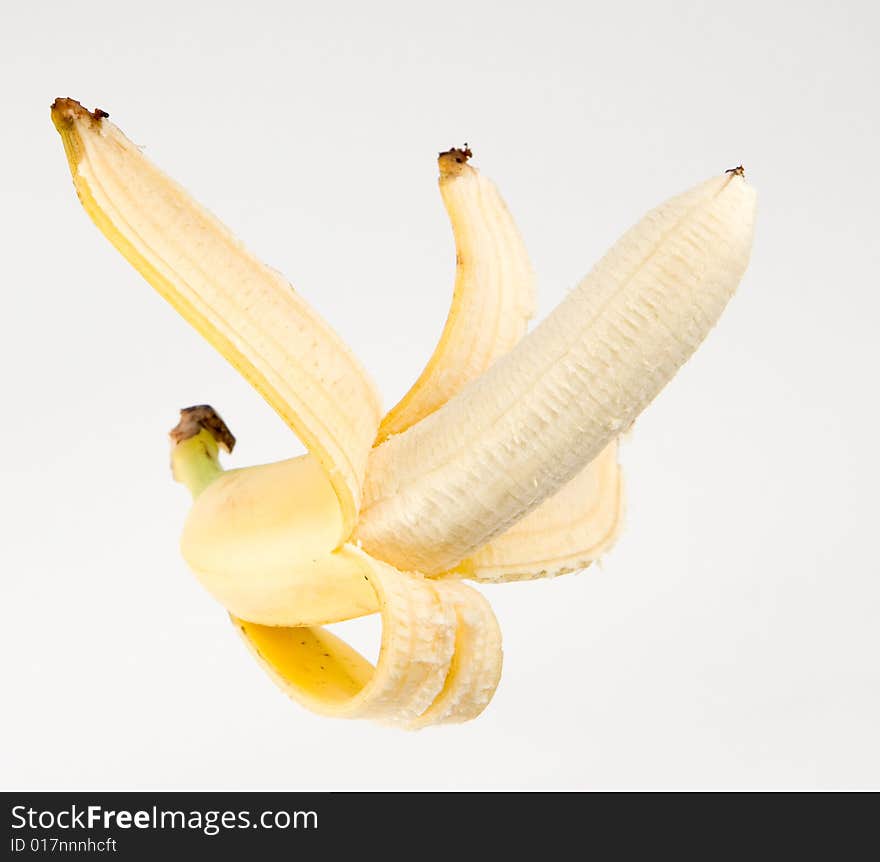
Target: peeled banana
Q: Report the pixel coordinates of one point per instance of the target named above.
(500, 463)
(463, 475)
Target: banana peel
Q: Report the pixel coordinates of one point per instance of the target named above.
(500, 463)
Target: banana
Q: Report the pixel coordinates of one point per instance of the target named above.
(500, 463)
(444, 488)
(494, 295)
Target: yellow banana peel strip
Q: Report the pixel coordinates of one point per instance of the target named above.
(475, 667)
(245, 309)
(500, 463)
(493, 298)
(325, 675)
(439, 660)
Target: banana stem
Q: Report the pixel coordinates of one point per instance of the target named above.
(195, 447)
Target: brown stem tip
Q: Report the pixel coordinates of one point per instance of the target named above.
(65, 111)
(452, 161)
(198, 418)
(738, 171)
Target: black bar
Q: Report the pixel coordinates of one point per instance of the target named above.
(422, 826)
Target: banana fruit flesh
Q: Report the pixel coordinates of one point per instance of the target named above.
(499, 464)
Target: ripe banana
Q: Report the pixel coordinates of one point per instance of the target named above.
(444, 488)
(500, 463)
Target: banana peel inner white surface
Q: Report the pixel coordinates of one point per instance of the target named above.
(499, 464)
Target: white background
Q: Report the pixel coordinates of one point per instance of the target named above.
(730, 639)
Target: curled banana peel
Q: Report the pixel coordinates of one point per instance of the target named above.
(262, 541)
(499, 464)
